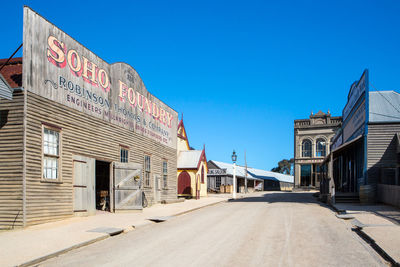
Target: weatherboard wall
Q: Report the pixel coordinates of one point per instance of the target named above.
(381, 151)
(88, 136)
(11, 154)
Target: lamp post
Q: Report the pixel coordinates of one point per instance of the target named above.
(234, 158)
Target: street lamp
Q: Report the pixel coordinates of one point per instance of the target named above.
(234, 158)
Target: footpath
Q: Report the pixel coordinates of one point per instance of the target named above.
(379, 225)
(34, 244)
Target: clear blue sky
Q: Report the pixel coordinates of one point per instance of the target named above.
(240, 71)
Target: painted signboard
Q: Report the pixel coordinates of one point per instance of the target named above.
(216, 172)
(356, 91)
(59, 68)
(355, 124)
(338, 141)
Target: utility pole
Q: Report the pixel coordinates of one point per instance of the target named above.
(245, 173)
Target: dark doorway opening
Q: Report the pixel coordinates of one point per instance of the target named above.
(102, 185)
(305, 179)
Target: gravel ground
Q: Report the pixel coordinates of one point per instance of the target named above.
(268, 229)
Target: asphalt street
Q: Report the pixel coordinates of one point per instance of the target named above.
(268, 229)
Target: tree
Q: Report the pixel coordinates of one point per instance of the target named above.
(285, 166)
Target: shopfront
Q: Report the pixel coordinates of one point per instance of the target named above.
(363, 153)
(87, 134)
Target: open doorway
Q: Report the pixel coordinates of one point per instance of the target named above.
(102, 185)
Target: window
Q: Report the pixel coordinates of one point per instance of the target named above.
(306, 148)
(217, 182)
(147, 170)
(202, 174)
(51, 154)
(321, 147)
(124, 154)
(165, 174)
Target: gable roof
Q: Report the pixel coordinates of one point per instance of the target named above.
(252, 173)
(189, 159)
(183, 136)
(268, 175)
(240, 170)
(384, 106)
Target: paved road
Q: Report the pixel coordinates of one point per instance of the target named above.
(272, 229)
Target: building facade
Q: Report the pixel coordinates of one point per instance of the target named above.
(312, 139)
(364, 162)
(220, 174)
(192, 167)
(79, 134)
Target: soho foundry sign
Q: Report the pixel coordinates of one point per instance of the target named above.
(59, 68)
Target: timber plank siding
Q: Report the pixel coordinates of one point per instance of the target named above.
(381, 149)
(91, 112)
(82, 135)
(11, 152)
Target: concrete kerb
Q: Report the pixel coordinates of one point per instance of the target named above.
(105, 236)
(367, 238)
(62, 251)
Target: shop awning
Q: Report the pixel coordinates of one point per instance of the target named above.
(348, 143)
(340, 148)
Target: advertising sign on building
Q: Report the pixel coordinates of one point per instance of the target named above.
(216, 172)
(338, 141)
(356, 91)
(61, 69)
(355, 124)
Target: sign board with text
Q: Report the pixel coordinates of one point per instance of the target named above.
(357, 90)
(216, 172)
(61, 69)
(355, 124)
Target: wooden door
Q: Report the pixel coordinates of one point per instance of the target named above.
(184, 187)
(127, 181)
(84, 185)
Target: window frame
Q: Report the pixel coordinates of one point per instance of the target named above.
(317, 150)
(123, 148)
(165, 173)
(302, 148)
(57, 129)
(202, 174)
(147, 180)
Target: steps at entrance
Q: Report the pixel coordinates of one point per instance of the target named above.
(347, 199)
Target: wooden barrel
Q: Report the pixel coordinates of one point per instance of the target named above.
(367, 194)
(222, 188)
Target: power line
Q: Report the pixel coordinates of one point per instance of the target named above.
(385, 97)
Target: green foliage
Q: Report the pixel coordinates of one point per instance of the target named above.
(285, 166)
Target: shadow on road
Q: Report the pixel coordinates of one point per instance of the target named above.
(284, 197)
(389, 212)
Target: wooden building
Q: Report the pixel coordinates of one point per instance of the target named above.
(192, 167)
(78, 134)
(221, 174)
(363, 163)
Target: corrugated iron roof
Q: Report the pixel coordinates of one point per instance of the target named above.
(254, 174)
(189, 159)
(268, 175)
(384, 106)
